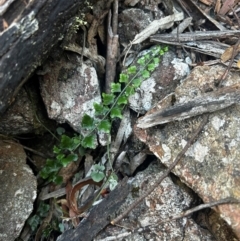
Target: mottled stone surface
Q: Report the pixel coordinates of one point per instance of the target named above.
(18, 190)
(211, 165)
(24, 114)
(131, 22)
(162, 82)
(69, 89)
(166, 200)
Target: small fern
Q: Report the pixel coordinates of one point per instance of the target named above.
(111, 107)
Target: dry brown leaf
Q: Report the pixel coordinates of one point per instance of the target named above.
(71, 211)
(68, 171)
(217, 6)
(238, 64)
(228, 53)
(207, 2)
(226, 7)
(5, 24)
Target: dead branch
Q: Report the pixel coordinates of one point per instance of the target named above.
(206, 103)
(112, 49)
(195, 36)
(228, 200)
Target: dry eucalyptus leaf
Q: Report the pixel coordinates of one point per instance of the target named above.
(228, 53)
(131, 2)
(226, 6)
(217, 6)
(207, 2)
(154, 26)
(238, 64)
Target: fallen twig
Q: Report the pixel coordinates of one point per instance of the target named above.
(205, 103)
(112, 48)
(178, 158)
(234, 52)
(194, 36)
(228, 200)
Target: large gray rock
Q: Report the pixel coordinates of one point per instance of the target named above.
(165, 201)
(69, 89)
(18, 190)
(211, 165)
(26, 114)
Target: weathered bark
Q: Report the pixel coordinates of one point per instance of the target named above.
(99, 217)
(29, 30)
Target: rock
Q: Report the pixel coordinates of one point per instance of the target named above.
(69, 89)
(24, 114)
(162, 82)
(211, 165)
(18, 190)
(131, 22)
(165, 201)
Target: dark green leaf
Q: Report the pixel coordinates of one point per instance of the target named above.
(97, 176)
(44, 173)
(87, 122)
(147, 56)
(81, 151)
(57, 179)
(145, 74)
(122, 100)
(116, 112)
(98, 167)
(70, 158)
(52, 165)
(60, 130)
(66, 142)
(156, 61)
(129, 91)
(97, 107)
(61, 227)
(56, 150)
(60, 157)
(115, 87)
(165, 49)
(34, 221)
(100, 109)
(90, 141)
(123, 78)
(161, 52)
(43, 209)
(104, 126)
(132, 70)
(151, 67)
(136, 82)
(141, 61)
(77, 140)
(108, 98)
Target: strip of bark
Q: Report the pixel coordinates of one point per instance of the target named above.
(229, 200)
(98, 218)
(112, 51)
(194, 36)
(206, 103)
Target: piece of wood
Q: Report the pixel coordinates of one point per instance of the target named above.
(206, 103)
(29, 30)
(194, 36)
(98, 218)
(208, 47)
(112, 51)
